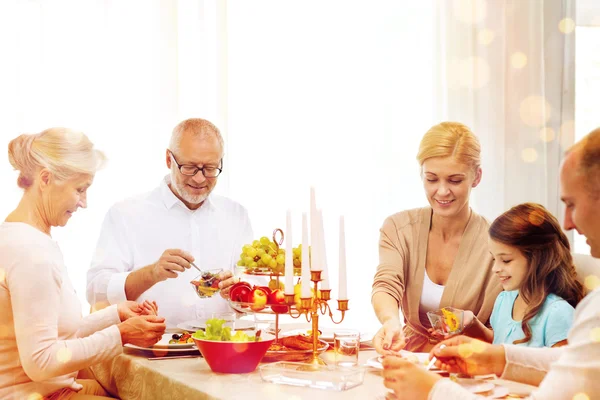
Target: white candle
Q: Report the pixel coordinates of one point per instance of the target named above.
(289, 259)
(305, 260)
(343, 283)
(323, 253)
(315, 261)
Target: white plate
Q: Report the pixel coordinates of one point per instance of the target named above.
(200, 324)
(475, 385)
(160, 350)
(327, 334)
(163, 344)
(499, 392)
(421, 358)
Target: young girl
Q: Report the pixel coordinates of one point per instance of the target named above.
(533, 262)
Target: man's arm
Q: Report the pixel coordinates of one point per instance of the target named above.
(111, 264)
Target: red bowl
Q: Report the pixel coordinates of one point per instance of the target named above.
(234, 357)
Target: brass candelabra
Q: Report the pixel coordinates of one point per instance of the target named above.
(311, 308)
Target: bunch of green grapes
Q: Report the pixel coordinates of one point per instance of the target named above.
(265, 256)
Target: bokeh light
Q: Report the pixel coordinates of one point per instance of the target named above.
(547, 135)
(64, 355)
(529, 155)
(591, 282)
(535, 111)
(518, 60)
(470, 11)
(474, 73)
(485, 37)
(581, 396)
(536, 218)
(566, 25)
(595, 335)
(465, 350)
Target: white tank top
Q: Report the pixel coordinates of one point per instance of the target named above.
(430, 299)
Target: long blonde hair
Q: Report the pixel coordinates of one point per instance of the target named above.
(450, 139)
(64, 152)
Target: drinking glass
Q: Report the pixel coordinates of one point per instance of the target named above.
(346, 344)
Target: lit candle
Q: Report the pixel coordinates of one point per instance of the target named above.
(322, 252)
(343, 283)
(315, 261)
(289, 259)
(305, 259)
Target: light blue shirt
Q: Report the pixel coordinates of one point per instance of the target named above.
(551, 324)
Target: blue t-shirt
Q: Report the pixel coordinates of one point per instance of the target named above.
(550, 325)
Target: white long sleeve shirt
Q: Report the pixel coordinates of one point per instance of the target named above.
(561, 373)
(137, 231)
(44, 340)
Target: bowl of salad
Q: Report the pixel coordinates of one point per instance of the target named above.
(228, 351)
(207, 283)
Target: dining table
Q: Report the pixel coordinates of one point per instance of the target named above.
(138, 374)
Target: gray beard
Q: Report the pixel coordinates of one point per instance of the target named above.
(180, 190)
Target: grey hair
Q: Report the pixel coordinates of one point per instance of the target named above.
(64, 152)
(198, 127)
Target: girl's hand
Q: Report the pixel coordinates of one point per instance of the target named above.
(407, 379)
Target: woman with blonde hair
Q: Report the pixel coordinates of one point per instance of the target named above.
(44, 340)
(436, 256)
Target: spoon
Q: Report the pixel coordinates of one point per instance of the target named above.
(433, 360)
(195, 266)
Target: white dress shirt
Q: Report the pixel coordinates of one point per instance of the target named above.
(44, 340)
(137, 231)
(562, 372)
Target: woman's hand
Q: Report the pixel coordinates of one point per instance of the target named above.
(407, 379)
(143, 331)
(468, 320)
(389, 337)
(469, 356)
(130, 309)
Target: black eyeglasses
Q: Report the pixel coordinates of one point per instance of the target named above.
(191, 170)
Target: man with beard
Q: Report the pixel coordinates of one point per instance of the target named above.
(149, 239)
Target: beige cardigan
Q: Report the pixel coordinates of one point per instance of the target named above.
(402, 253)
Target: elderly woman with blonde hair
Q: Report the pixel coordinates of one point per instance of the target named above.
(436, 256)
(44, 340)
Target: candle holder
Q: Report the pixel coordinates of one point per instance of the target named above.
(312, 308)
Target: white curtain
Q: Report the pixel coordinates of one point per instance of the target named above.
(333, 94)
(506, 69)
(124, 72)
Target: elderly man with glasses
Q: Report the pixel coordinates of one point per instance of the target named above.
(149, 239)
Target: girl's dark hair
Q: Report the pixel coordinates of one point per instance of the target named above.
(535, 232)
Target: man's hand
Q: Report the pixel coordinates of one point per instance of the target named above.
(130, 309)
(389, 337)
(469, 356)
(407, 379)
(227, 280)
(170, 263)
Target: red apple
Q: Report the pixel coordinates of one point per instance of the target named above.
(264, 289)
(277, 301)
(240, 293)
(258, 299)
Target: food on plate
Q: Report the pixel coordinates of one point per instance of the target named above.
(207, 284)
(215, 331)
(265, 256)
(297, 342)
(181, 338)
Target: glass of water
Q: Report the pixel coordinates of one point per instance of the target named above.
(346, 344)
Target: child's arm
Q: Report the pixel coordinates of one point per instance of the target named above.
(476, 328)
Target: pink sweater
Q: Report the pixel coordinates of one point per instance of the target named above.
(44, 340)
